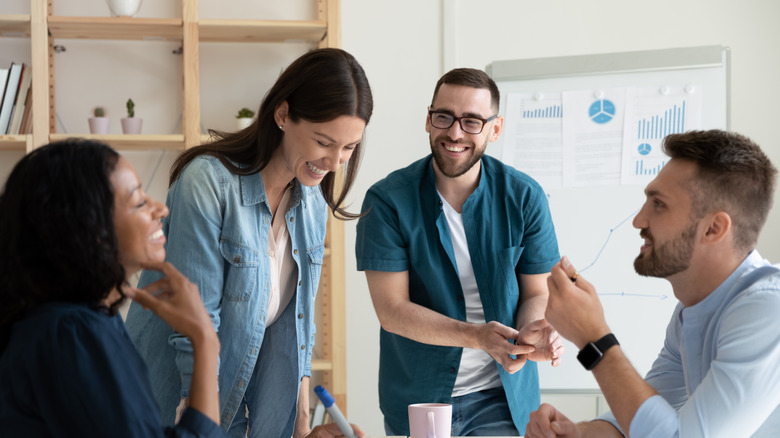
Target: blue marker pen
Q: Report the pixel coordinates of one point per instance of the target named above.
(334, 411)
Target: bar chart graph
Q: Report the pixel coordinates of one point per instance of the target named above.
(548, 112)
(653, 114)
(671, 121)
(649, 169)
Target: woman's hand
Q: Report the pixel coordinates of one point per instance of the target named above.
(331, 430)
(176, 301)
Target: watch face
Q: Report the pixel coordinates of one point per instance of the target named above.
(589, 356)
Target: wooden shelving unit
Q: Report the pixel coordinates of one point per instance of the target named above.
(42, 29)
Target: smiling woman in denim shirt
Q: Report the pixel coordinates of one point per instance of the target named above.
(247, 225)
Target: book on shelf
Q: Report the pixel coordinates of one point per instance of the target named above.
(21, 101)
(3, 82)
(25, 126)
(9, 96)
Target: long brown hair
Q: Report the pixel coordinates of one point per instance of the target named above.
(320, 86)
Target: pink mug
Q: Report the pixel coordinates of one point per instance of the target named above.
(430, 420)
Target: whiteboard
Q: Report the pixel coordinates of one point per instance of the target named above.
(593, 223)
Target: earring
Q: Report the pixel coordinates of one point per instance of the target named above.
(281, 128)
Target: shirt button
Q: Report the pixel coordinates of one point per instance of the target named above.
(237, 259)
(295, 251)
(271, 252)
(300, 316)
(292, 219)
(299, 283)
(453, 370)
(241, 384)
(303, 347)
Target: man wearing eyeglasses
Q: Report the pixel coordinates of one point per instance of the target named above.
(457, 248)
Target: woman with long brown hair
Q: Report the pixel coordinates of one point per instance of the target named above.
(247, 224)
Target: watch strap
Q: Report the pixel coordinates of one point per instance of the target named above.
(592, 352)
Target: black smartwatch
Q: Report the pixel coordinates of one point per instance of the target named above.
(591, 354)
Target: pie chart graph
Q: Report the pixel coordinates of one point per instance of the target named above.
(644, 149)
(602, 111)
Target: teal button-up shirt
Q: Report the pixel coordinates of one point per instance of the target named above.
(509, 232)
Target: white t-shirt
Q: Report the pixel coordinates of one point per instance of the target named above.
(477, 369)
(283, 268)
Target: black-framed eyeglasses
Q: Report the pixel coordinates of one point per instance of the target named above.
(469, 125)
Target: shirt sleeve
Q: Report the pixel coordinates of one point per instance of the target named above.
(742, 387)
(540, 244)
(380, 244)
(667, 375)
(195, 223)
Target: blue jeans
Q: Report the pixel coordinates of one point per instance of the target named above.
(270, 398)
(483, 413)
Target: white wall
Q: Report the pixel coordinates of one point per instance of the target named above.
(400, 45)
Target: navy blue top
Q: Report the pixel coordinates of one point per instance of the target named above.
(509, 232)
(71, 370)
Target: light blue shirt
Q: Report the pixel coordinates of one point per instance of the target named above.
(718, 374)
(217, 235)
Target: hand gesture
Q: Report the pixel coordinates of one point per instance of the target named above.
(175, 300)
(494, 340)
(547, 343)
(573, 306)
(547, 422)
(331, 430)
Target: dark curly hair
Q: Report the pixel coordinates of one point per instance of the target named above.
(58, 241)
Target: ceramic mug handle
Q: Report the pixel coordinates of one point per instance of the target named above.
(431, 425)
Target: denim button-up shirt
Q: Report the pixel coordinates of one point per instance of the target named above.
(217, 235)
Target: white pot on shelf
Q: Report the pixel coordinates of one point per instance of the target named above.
(98, 125)
(124, 8)
(132, 125)
(243, 122)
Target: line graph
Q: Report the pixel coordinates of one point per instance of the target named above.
(609, 236)
(612, 230)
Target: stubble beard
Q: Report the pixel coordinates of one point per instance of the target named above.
(669, 258)
(452, 170)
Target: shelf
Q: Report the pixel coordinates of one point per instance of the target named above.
(132, 142)
(211, 30)
(324, 30)
(14, 142)
(15, 26)
(116, 28)
(321, 365)
(255, 31)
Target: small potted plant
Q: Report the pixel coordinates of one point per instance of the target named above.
(124, 8)
(99, 123)
(244, 117)
(131, 124)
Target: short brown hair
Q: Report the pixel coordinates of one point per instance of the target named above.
(470, 77)
(733, 175)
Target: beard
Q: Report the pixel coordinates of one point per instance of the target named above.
(670, 257)
(446, 165)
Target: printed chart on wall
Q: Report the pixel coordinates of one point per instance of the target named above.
(593, 142)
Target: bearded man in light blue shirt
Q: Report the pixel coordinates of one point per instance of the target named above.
(717, 374)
